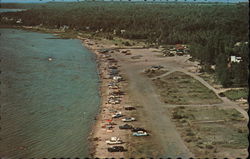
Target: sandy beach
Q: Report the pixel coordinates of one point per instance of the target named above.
(100, 133)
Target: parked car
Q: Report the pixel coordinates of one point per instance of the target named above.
(157, 66)
(124, 51)
(112, 67)
(126, 126)
(116, 149)
(221, 94)
(138, 129)
(114, 140)
(104, 51)
(128, 119)
(112, 123)
(129, 108)
(114, 101)
(117, 115)
(108, 126)
(140, 133)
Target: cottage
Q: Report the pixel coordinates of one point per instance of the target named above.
(235, 59)
(123, 31)
(237, 44)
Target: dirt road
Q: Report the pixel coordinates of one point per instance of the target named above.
(162, 128)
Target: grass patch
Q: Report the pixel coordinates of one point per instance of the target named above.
(209, 78)
(179, 88)
(212, 139)
(236, 94)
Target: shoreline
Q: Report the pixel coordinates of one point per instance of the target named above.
(96, 131)
(92, 147)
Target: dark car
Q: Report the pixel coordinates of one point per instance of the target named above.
(221, 94)
(138, 129)
(116, 149)
(112, 67)
(104, 51)
(126, 126)
(129, 108)
(117, 116)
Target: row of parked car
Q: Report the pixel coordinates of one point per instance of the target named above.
(136, 131)
(115, 98)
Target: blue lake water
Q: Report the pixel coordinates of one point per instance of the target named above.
(47, 107)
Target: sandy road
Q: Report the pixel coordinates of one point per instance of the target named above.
(163, 129)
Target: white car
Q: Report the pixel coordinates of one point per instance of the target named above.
(112, 101)
(128, 119)
(140, 133)
(114, 140)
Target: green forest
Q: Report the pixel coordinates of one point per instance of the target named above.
(210, 30)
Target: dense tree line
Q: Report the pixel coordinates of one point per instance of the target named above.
(210, 30)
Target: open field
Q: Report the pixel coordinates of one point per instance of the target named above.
(212, 131)
(179, 88)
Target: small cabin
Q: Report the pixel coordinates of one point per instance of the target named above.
(235, 59)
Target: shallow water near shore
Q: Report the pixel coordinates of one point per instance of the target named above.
(47, 107)
(2, 10)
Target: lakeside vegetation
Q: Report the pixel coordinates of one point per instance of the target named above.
(211, 30)
(236, 94)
